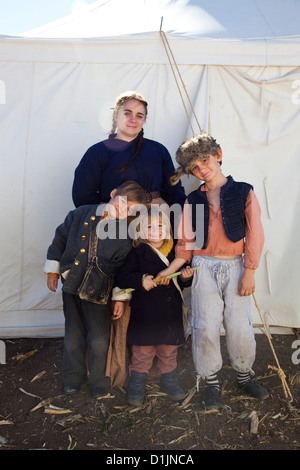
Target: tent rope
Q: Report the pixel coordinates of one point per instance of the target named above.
(169, 52)
(278, 369)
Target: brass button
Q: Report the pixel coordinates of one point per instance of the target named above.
(82, 250)
(83, 237)
(76, 262)
(86, 224)
(93, 217)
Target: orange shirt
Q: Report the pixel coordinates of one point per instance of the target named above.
(218, 245)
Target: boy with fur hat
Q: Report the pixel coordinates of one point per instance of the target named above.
(229, 255)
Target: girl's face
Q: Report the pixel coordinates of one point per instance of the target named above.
(130, 120)
(119, 207)
(207, 168)
(156, 233)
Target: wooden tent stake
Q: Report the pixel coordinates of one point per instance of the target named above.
(278, 369)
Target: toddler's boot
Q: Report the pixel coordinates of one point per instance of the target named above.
(136, 389)
(170, 385)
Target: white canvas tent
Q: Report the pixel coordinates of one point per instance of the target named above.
(240, 62)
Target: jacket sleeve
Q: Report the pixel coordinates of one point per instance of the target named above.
(129, 274)
(87, 178)
(59, 242)
(187, 283)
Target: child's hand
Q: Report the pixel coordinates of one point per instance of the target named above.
(247, 282)
(164, 282)
(186, 273)
(163, 273)
(52, 282)
(173, 268)
(148, 282)
(118, 311)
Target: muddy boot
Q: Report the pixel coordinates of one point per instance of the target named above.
(136, 389)
(254, 389)
(211, 399)
(170, 385)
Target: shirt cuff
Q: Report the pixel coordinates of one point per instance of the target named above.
(52, 266)
(122, 297)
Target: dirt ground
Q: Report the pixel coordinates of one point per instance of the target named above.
(34, 414)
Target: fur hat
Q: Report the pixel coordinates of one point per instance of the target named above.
(197, 147)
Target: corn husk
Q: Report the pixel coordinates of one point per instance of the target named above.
(38, 376)
(55, 410)
(129, 289)
(22, 357)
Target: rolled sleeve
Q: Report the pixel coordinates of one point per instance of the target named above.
(254, 240)
(186, 237)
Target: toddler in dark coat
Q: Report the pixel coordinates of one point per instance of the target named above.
(156, 323)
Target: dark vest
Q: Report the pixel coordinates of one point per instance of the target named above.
(233, 197)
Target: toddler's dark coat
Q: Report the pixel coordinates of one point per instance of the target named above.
(156, 315)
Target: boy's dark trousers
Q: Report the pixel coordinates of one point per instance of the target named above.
(87, 334)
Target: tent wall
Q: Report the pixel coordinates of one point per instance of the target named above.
(56, 100)
(147, 48)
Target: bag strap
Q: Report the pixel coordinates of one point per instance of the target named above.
(93, 243)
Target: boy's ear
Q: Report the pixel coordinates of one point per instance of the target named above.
(220, 155)
(113, 193)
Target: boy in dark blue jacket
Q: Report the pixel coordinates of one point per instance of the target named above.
(87, 250)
